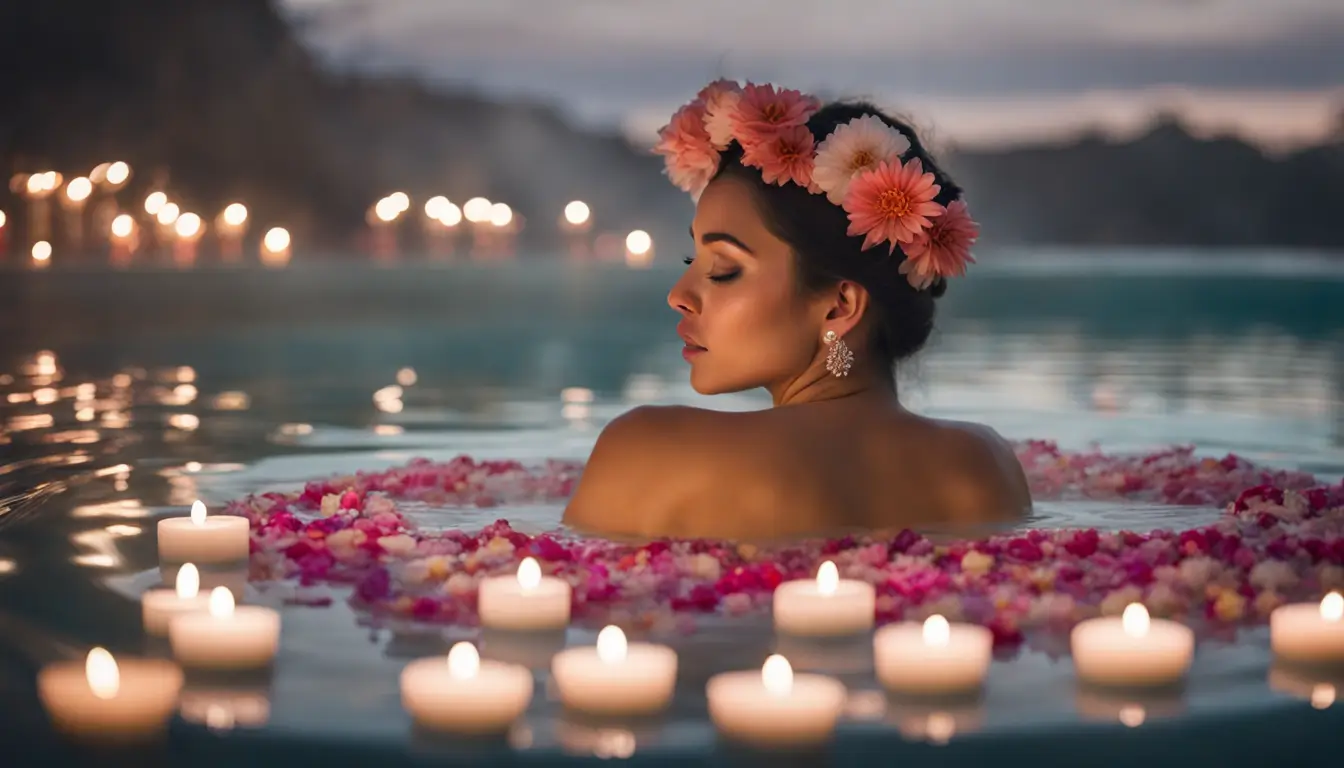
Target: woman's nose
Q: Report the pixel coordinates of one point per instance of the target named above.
(680, 298)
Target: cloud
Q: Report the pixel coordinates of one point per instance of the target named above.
(605, 60)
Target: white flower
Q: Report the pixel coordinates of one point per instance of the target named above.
(860, 144)
(331, 504)
(719, 108)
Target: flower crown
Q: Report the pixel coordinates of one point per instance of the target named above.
(862, 166)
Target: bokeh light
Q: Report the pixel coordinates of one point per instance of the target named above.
(477, 209)
(235, 214)
(118, 173)
(123, 225)
(638, 242)
(276, 240)
(577, 213)
(188, 225)
(79, 189)
(155, 202)
(436, 206)
(168, 214)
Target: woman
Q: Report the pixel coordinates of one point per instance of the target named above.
(823, 237)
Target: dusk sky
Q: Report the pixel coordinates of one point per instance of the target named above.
(972, 71)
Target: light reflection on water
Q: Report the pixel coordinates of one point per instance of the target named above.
(134, 427)
(1267, 396)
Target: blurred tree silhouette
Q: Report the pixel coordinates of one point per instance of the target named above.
(220, 100)
(222, 96)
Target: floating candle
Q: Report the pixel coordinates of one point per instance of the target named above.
(225, 636)
(203, 538)
(159, 606)
(1132, 650)
(101, 698)
(825, 606)
(527, 602)
(615, 677)
(464, 694)
(775, 707)
(932, 658)
(1309, 633)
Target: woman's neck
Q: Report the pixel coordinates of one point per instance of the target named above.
(821, 386)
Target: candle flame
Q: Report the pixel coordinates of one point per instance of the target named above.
(611, 645)
(937, 632)
(777, 675)
(221, 603)
(1332, 607)
(463, 661)
(198, 512)
(529, 574)
(188, 581)
(101, 671)
(828, 578)
(1134, 621)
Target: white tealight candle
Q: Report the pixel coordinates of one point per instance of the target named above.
(825, 606)
(615, 677)
(775, 707)
(932, 658)
(465, 694)
(203, 538)
(159, 606)
(225, 636)
(100, 698)
(527, 602)
(1132, 650)
(1309, 633)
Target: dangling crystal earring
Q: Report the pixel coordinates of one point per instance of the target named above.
(840, 358)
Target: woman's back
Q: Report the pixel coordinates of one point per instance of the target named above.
(820, 468)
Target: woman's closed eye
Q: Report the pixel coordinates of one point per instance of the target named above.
(723, 276)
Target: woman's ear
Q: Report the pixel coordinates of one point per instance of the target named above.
(845, 307)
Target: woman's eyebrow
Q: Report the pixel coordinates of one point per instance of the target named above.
(722, 237)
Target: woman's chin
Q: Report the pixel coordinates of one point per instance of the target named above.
(705, 383)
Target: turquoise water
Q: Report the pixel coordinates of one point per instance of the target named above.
(123, 397)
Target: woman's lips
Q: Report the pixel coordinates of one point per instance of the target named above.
(690, 350)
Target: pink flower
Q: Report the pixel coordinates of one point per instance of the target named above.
(691, 159)
(762, 111)
(892, 202)
(784, 157)
(720, 99)
(943, 249)
(860, 144)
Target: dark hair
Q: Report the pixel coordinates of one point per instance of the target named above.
(815, 229)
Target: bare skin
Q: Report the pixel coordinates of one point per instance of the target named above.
(835, 454)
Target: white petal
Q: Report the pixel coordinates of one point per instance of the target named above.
(718, 122)
(838, 154)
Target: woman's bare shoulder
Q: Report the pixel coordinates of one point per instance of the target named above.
(982, 477)
(650, 461)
